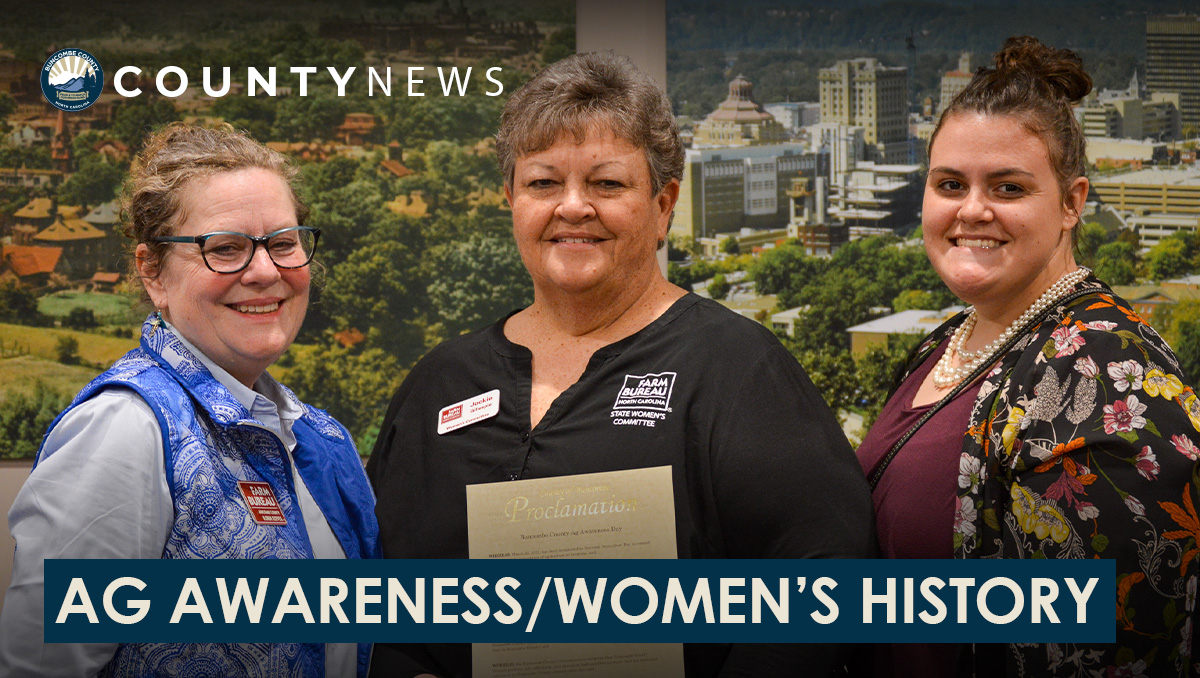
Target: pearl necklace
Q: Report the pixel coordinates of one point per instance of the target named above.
(946, 375)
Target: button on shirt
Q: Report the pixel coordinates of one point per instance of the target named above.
(100, 491)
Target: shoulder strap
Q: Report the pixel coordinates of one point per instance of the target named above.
(970, 379)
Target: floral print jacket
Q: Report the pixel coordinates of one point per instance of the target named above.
(1083, 443)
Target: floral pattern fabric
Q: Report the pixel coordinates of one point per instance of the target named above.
(1083, 443)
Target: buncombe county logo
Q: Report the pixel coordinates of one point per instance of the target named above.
(646, 392)
(72, 80)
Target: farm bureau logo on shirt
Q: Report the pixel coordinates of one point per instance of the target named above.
(451, 414)
(644, 399)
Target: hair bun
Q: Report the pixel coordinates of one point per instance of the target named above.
(1060, 69)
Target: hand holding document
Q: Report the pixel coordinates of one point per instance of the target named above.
(619, 514)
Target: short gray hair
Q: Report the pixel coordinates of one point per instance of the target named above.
(585, 91)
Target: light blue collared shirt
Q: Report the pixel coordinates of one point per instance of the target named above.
(270, 406)
(100, 491)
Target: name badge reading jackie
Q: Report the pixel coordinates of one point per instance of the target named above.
(469, 411)
(260, 499)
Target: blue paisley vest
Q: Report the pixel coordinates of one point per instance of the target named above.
(211, 443)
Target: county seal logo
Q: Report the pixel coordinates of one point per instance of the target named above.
(72, 79)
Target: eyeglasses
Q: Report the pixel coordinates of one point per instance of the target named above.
(230, 252)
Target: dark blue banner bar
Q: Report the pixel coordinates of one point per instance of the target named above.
(701, 601)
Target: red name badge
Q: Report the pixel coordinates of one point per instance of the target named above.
(261, 502)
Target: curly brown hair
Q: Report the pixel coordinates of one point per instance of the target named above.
(172, 158)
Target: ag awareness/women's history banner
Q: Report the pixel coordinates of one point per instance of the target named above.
(594, 601)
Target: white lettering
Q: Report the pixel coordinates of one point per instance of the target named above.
(908, 600)
(333, 593)
(293, 601)
(224, 82)
(939, 607)
(1081, 598)
(962, 584)
(241, 596)
(412, 81)
(440, 599)
(687, 612)
(190, 591)
(888, 599)
(1018, 603)
(469, 589)
(1041, 602)
(362, 598)
(84, 606)
(342, 80)
(591, 605)
(502, 588)
(385, 84)
(140, 607)
(415, 607)
(120, 87)
(160, 81)
(255, 78)
(759, 593)
(728, 599)
(651, 604)
(819, 587)
(455, 80)
(499, 85)
(303, 72)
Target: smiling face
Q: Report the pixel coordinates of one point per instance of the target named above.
(995, 220)
(585, 219)
(242, 321)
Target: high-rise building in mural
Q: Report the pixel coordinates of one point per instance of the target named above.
(864, 93)
(1173, 63)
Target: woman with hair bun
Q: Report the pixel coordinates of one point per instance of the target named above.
(1048, 420)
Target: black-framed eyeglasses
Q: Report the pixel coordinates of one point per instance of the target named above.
(230, 251)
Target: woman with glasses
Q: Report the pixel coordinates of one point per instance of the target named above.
(156, 457)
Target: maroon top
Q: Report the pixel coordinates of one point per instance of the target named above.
(915, 499)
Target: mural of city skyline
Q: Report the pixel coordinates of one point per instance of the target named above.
(807, 126)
